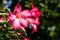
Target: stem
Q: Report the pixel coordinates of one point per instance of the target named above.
(8, 9)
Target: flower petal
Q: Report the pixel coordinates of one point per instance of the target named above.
(16, 24)
(34, 9)
(34, 28)
(38, 13)
(26, 13)
(24, 23)
(26, 39)
(11, 17)
(35, 12)
(36, 21)
(30, 20)
(17, 8)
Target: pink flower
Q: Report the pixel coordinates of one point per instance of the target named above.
(35, 20)
(35, 11)
(26, 39)
(18, 17)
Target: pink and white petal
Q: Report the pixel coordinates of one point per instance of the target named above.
(34, 28)
(18, 8)
(30, 20)
(34, 9)
(16, 24)
(11, 17)
(33, 14)
(24, 23)
(26, 13)
(36, 21)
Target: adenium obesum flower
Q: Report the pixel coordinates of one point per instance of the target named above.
(35, 20)
(18, 17)
(23, 18)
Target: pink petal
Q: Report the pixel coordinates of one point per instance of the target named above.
(26, 13)
(0, 18)
(16, 24)
(11, 17)
(17, 8)
(35, 12)
(24, 23)
(30, 20)
(38, 13)
(34, 9)
(34, 28)
(33, 21)
(26, 39)
(36, 21)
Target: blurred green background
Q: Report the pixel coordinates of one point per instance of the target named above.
(49, 28)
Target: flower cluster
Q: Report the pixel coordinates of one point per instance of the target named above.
(23, 18)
